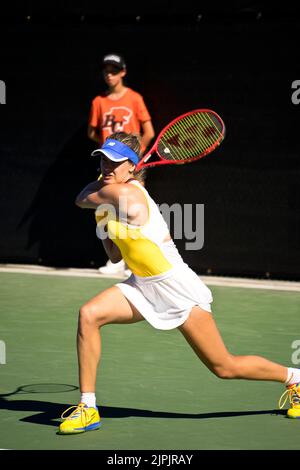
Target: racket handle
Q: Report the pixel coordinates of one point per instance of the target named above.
(141, 162)
(147, 158)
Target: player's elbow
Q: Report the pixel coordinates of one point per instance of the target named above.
(79, 202)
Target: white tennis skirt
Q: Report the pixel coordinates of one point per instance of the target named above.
(166, 300)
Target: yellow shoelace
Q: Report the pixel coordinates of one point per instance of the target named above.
(78, 409)
(288, 394)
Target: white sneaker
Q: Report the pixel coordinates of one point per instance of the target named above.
(127, 272)
(113, 268)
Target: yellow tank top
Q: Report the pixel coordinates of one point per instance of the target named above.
(141, 246)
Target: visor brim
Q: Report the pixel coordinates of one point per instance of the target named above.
(113, 156)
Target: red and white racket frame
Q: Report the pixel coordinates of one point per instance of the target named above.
(162, 161)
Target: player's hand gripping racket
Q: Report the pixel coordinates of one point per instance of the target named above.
(187, 138)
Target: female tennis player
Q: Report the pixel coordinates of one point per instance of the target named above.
(162, 289)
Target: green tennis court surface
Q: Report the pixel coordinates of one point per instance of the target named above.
(153, 391)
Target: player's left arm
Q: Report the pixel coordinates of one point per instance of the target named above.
(83, 198)
(96, 194)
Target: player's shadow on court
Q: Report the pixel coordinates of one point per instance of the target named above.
(48, 413)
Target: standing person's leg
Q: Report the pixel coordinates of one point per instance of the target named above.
(111, 306)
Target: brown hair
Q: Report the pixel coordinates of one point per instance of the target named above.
(134, 142)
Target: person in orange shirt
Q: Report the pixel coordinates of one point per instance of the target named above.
(119, 109)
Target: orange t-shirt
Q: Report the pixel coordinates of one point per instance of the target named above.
(125, 114)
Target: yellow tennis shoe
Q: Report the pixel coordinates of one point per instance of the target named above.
(80, 420)
(293, 394)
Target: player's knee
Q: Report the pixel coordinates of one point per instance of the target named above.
(225, 371)
(89, 316)
(85, 316)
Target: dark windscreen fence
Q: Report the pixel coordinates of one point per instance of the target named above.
(234, 212)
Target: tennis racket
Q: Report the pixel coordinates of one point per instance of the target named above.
(187, 138)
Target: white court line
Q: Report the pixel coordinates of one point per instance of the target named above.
(209, 280)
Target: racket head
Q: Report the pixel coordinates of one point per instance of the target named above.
(187, 138)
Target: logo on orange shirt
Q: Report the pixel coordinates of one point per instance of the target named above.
(116, 118)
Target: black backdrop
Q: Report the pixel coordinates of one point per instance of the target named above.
(239, 60)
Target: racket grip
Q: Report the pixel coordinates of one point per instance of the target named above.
(140, 164)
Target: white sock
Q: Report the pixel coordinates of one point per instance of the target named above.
(293, 376)
(89, 399)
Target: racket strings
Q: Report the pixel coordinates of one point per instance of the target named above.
(194, 134)
(206, 124)
(212, 125)
(204, 144)
(171, 139)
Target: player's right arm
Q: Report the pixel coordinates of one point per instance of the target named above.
(111, 250)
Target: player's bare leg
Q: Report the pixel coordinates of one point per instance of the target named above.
(202, 334)
(111, 306)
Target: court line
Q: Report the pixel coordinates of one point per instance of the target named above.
(222, 281)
